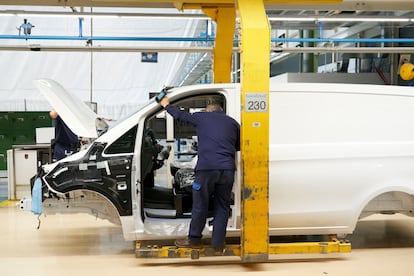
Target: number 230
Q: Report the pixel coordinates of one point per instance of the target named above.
(256, 105)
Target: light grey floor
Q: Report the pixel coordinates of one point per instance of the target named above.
(81, 245)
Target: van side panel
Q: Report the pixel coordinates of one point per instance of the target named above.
(331, 152)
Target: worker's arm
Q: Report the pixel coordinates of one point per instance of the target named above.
(177, 114)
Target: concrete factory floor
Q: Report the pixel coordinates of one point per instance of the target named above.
(81, 245)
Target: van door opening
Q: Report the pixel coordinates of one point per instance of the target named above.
(167, 178)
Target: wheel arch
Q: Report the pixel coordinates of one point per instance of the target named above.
(84, 201)
(385, 200)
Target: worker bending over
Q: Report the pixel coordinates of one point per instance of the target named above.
(66, 142)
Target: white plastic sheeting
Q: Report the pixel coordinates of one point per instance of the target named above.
(120, 81)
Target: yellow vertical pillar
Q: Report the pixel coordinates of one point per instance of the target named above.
(223, 47)
(255, 60)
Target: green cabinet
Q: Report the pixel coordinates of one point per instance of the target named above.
(19, 128)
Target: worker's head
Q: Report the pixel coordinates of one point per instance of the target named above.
(53, 114)
(213, 107)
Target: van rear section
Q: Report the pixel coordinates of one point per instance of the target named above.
(337, 153)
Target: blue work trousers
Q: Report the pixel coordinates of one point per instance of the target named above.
(218, 183)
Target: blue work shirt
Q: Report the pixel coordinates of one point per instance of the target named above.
(63, 134)
(218, 138)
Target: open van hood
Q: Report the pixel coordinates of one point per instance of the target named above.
(76, 114)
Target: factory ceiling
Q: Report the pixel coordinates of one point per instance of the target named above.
(300, 16)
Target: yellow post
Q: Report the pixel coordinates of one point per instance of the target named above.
(255, 60)
(223, 47)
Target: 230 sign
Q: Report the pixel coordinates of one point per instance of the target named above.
(256, 102)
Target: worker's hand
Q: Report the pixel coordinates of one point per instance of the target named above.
(165, 101)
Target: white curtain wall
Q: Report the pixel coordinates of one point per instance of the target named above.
(120, 81)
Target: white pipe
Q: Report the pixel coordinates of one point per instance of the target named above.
(48, 48)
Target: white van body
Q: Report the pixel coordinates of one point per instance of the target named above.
(337, 153)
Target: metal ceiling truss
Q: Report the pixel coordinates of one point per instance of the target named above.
(345, 5)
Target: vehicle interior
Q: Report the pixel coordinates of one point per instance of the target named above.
(167, 165)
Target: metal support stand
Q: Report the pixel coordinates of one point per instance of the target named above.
(149, 250)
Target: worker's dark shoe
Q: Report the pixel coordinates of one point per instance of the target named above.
(218, 251)
(188, 243)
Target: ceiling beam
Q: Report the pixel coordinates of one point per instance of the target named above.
(356, 50)
(89, 3)
(71, 48)
(114, 49)
(349, 5)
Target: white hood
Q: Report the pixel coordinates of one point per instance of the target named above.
(75, 113)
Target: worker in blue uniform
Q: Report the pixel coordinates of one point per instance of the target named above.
(65, 142)
(218, 141)
(26, 27)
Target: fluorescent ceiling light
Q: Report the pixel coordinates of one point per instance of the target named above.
(341, 19)
(103, 15)
(362, 19)
(298, 19)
